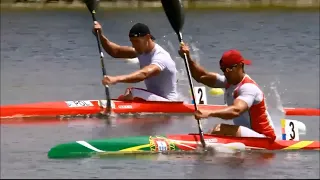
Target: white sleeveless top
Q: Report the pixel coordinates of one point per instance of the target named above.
(165, 83)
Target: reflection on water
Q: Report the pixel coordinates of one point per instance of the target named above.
(120, 125)
(201, 165)
(132, 126)
(229, 159)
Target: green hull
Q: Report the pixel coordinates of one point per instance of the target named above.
(169, 143)
(122, 145)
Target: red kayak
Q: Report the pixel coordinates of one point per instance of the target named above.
(87, 107)
(192, 140)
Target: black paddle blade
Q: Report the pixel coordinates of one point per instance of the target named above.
(92, 5)
(175, 13)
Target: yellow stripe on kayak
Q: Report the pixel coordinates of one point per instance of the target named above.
(136, 148)
(283, 123)
(299, 145)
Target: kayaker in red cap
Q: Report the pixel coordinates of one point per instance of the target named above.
(157, 68)
(246, 103)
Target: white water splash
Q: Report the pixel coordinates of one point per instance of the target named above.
(275, 106)
(173, 47)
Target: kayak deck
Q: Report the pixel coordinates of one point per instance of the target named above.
(90, 107)
(87, 107)
(168, 143)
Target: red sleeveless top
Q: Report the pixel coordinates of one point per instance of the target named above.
(259, 119)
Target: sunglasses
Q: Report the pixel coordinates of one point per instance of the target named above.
(228, 69)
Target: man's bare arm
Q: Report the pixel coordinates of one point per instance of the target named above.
(201, 75)
(116, 50)
(140, 75)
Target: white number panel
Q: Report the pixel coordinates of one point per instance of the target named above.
(200, 94)
(291, 129)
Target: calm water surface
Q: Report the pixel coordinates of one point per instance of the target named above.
(52, 56)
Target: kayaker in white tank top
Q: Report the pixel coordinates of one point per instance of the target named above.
(157, 68)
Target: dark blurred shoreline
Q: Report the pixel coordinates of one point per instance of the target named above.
(304, 5)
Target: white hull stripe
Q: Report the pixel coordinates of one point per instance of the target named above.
(89, 146)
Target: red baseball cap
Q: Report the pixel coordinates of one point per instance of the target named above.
(232, 57)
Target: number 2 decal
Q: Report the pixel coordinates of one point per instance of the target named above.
(201, 94)
(293, 135)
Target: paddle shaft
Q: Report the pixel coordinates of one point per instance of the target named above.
(175, 14)
(192, 91)
(102, 64)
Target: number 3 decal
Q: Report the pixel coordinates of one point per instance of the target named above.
(293, 135)
(291, 129)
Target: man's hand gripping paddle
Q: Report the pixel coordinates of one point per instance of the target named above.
(92, 7)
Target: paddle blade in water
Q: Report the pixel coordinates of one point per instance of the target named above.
(91, 5)
(175, 13)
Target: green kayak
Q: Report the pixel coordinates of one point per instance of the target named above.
(171, 143)
(121, 145)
